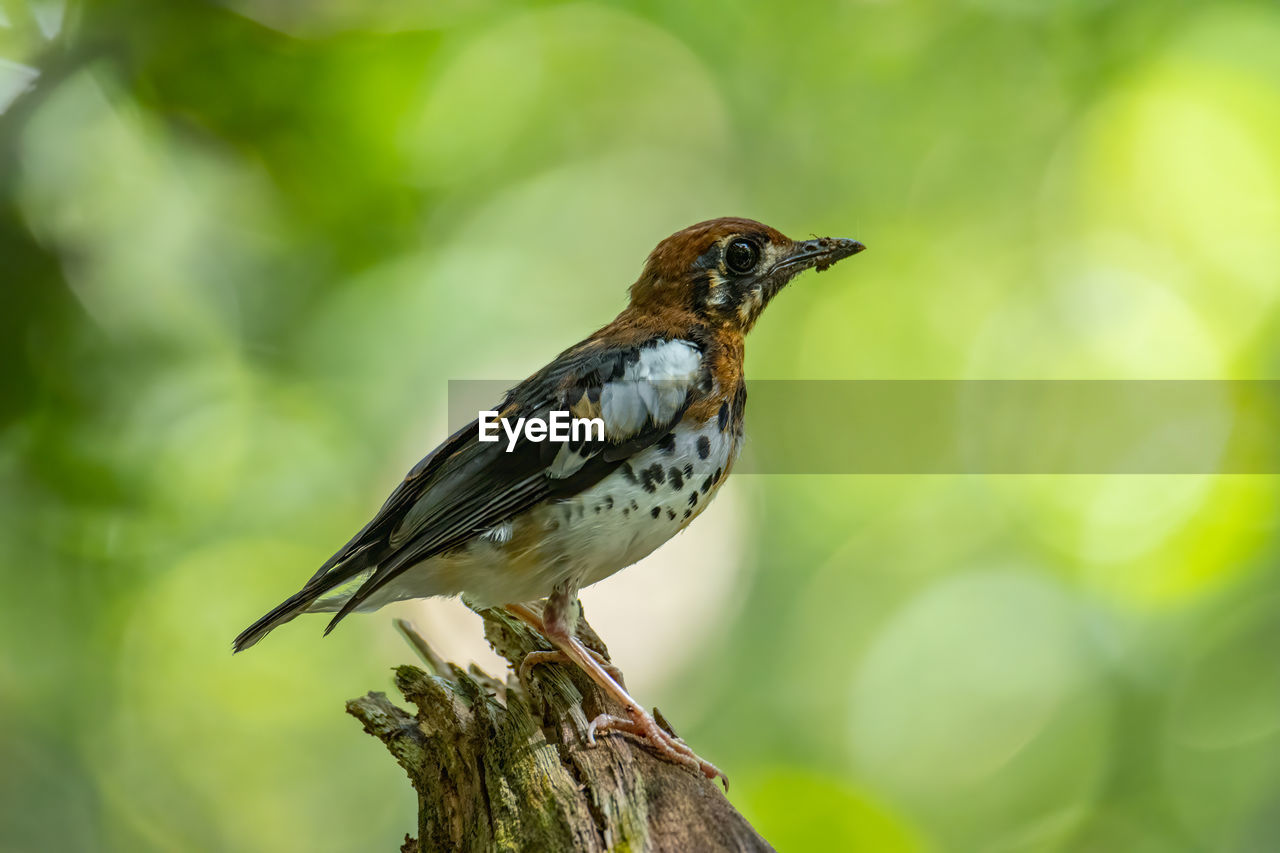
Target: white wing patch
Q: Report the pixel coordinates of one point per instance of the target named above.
(652, 391)
(499, 535)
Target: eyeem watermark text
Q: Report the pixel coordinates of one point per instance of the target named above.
(557, 426)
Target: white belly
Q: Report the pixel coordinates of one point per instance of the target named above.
(588, 537)
(626, 516)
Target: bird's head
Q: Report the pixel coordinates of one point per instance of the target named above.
(727, 270)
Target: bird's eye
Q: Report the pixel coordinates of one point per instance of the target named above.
(742, 256)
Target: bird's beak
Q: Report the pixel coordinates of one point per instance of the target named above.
(821, 253)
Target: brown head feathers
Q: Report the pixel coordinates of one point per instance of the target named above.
(725, 271)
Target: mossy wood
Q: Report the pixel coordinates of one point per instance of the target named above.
(504, 765)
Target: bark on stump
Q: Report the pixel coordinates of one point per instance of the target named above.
(504, 765)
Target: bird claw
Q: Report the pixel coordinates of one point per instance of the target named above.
(609, 679)
(534, 658)
(647, 729)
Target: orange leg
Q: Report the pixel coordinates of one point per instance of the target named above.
(534, 658)
(555, 624)
(530, 617)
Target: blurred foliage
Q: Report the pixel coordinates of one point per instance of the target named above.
(246, 244)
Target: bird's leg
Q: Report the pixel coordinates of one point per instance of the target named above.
(531, 618)
(556, 625)
(534, 658)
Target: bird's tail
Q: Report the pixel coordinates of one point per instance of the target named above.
(280, 614)
(350, 562)
(324, 593)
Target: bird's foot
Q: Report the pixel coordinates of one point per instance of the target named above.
(534, 658)
(553, 625)
(644, 726)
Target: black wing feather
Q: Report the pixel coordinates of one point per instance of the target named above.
(465, 486)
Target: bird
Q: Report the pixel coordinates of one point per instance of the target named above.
(525, 524)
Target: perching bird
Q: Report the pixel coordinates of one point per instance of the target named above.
(507, 527)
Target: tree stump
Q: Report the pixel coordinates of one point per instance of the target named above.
(504, 765)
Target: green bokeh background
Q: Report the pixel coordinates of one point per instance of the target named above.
(244, 246)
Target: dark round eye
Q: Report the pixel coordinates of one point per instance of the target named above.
(742, 256)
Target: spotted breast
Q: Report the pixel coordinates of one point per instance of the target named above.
(651, 498)
(590, 530)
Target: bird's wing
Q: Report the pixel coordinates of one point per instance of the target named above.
(350, 554)
(466, 486)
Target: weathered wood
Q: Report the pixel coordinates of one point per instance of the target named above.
(504, 765)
